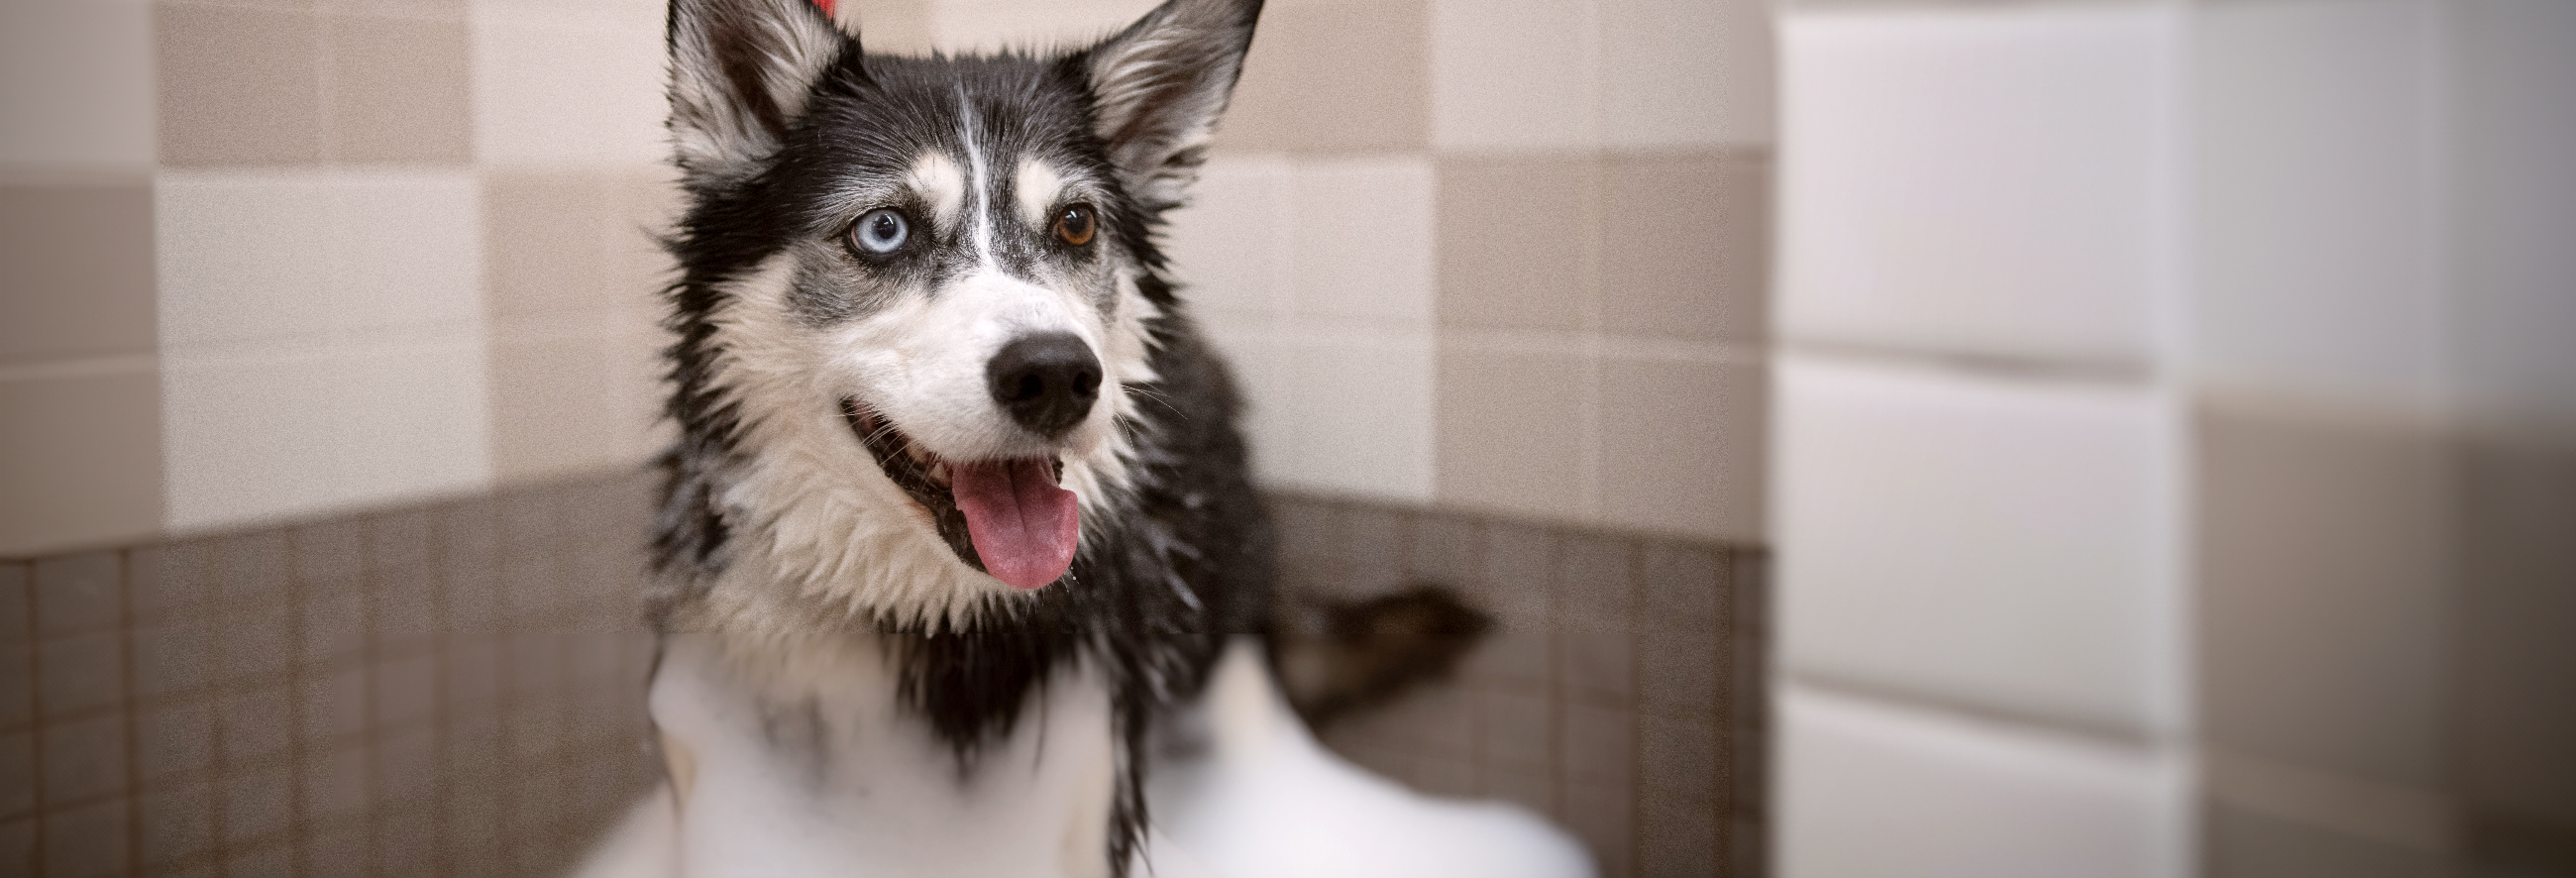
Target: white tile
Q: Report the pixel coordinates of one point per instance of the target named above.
(563, 88)
(1362, 233)
(1512, 75)
(1345, 412)
(1998, 542)
(243, 257)
(413, 420)
(76, 84)
(1868, 789)
(2318, 242)
(2515, 199)
(407, 252)
(1986, 179)
(1228, 247)
(247, 438)
(1686, 73)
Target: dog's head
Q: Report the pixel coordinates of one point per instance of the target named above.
(920, 294)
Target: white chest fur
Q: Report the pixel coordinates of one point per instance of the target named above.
(818, 772)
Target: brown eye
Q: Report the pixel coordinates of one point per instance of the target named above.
(1075, 225)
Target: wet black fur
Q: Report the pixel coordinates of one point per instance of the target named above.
(1187, 560)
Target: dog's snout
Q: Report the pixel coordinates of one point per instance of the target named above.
(1047, 382)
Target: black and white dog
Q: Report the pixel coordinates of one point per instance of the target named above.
(958, 537)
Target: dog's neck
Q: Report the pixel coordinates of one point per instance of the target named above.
(802, 762)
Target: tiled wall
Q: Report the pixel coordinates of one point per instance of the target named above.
(2164, 443)
(453, 689)
(1620, 695)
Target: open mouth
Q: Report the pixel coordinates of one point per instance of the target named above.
(1007, 517)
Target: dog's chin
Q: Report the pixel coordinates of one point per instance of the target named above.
(931, 482)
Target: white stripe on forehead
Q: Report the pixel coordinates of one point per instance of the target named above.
(937, 178)
(1038, 185)
(977, 181)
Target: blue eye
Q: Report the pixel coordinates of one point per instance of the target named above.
(881, 231)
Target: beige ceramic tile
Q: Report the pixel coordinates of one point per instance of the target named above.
(896, 27)
(544, 251)
(1229, 246)
(1362, 233)
(1683, 246)
(1682, 447)
(105, 121)
(2324, 578)
(247, 439)
(78, 281)
(553, 413)
(644, 207)
(1333, 77)
(238, 86)
(1685, 72)
(1356, 410)
(1511, 432)
(414, 421)
(399, 90)
(244, 257)
(2519, 503)
(406, 251)
(1516, 240)
(80, 461)
(1511, 75)
(569, 88)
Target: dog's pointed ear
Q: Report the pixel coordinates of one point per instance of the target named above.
(740, 74)
(1158, 86)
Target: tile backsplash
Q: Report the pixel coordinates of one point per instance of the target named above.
(457, 688)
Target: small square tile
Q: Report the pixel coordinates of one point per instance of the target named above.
(18, 846)
(1336, 77)
(1530, 787)
(17, 773)
(1505, 76)
(408, 843)
(255, 643)
(1502, 268)
(1682, 581)
(251, 569)
(400, 90)
(471, 673)
(177, 824)
(334, 621)
(1599, 746)
(1679, 759)
(257, 725)
(1595, 580)
(1514, 656)
(334, 706)
(17, 609)
(83, 760)
(1520, 562)
(1604, 817)
(1442, 774)
(80, 271)
(1514, 729)
(88, 841)
(1602, 661)
(406, 691)
(18, 699)
(170, 578)
(273, 860)
(407, 767)
(333, 782)
(400, 539)
(1493, 455)
(174, 741)
(258, 803)
(328, 554)
(1682, 447)
(1684, 247)
(81, 672)
(238, 86)
(405, 617)
(1676, 838)
(340, 847)
(1680, 666)
(1444, 551)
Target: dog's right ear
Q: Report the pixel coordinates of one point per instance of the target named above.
(741, 71)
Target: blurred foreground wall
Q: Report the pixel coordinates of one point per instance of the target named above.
(2176, 437)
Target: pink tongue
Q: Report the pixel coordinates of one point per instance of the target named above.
(1025, 527)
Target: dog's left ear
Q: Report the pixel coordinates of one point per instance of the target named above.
(1159, 85)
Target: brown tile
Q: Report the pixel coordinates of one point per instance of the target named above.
(328, 554)
(255, 643)
(337, 848)
(174, 742)
(76, 593)
(274, 859)
(408, 844)
(251, 569)
(1334, 77)
(471, 672)
(1678, 759)
(18, 699)
(400, 539)
(1599, 746)
(17, 773)
(1595, 580)
(2518, 503)
(1514, 729)
(2240, 844)
(1519, 568)
(1682, 580)
(258, 802)
(176, 825)
(165, 580)
(334, 622)
(88, 841)
(80, 262)
(1371, 547)
(1683, 243)
(1681, 447)
(1444, 550)
(1516, 241)
(255, 726)
(1507, 439)
(406, 691)
(80, 461)
(333, 706)
(1678, 839)
(80, 673)
(407, 766)
(1532, 787)
(1604, 817)
(1444, 774)
(1513, 657)
(399, 90)
(333, 782)
(17, 608)
(1599, 661)
(18, 846)
(238, 86)
(544, 255)
(83, 760)
(1678, 671)
(173, 659)
(405, 615)
(551, 415)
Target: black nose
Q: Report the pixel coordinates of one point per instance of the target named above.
(1047, 382)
